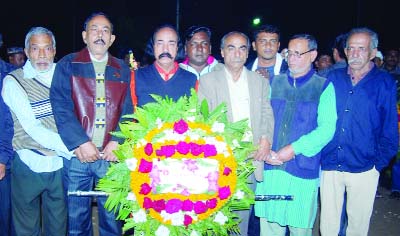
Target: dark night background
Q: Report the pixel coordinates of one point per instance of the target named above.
(134, 21)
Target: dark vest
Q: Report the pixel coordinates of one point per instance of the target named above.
(295, 107)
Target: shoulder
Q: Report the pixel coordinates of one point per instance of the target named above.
(187, 74)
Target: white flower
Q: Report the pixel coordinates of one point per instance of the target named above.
(194, 233)
(131, 163)
(177, 218)
(218, 127)
(235, 143)
(131, 197)
(141, 142)
(239, 194)
(162, 231)
(139, 216)
(191, 118)
(220, 218)
(159, 122)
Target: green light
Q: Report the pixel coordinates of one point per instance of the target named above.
(256, 21)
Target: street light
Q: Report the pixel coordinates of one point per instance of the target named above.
(256, 21)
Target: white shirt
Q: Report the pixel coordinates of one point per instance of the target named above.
(205, 70)
(277, 66)
(17, 100)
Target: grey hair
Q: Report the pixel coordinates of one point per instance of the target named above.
(312, 42)
(233, 33)
(364, 30)
(36, 31)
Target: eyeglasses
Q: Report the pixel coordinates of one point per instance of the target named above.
(296, 53)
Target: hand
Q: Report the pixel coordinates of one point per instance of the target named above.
(263, 150)
(108, 151)
(2, 171)
(272, 159)
(263, 72)
(87, 152)
(286, 153)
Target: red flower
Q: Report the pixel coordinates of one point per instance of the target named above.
(159, 205)
(173, 205)
(187, 220)
(227, 171)
(200, 207)
(187, 205)
(212, 203)
(148, 149)
(183, 148)
(196, 149)
(209, 150)
(145, 166)
(145, 189)
(224, 192)
(147, 203)
(181, 126)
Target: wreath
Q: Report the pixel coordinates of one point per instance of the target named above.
(182, 170)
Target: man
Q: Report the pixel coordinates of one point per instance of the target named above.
(305, 117)
(87, 95)
(338, 53)
(36, 181)
(366, 136)
(198, 50)
(164, 77)
(323, 64)
(266, 43)
(16, 56)
(378, 60)
(246, 95)
(6, 153)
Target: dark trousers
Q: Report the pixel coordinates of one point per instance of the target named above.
(82, 177)
(5, 205)
(36, 197)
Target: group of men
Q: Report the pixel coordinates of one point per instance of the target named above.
(61, 115)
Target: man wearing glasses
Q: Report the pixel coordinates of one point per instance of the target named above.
(305, 116)
(365, 140)
(266, 43)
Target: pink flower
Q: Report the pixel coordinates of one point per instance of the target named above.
(169, 150)
(227, 171)
(160, 152)
(145, 166)
(211, 203)
(148, 149)
(196, 149)
(173, 205)
(181, 126)
(183, 148)
(145, 189)
(147, 203)
(191, 164)
(209, 150)
(187, 220)
(187, 205)
(200, 207)
(159, 205)
(224, 192)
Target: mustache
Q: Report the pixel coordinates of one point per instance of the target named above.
(352, 60)
(100, 41)
(165, 54)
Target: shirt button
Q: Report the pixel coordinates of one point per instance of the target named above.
(339, 147)
(351, 91)
(346, 110)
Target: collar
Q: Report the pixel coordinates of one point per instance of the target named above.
(45, 77)
(210, 60)
(166, 75)
(299, 81)
(105, 58)
(370, 66)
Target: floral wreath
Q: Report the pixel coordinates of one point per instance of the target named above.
(183, 170)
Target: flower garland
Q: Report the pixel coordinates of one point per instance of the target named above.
(183, 170)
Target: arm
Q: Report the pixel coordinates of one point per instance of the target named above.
(388, 139)
(313, 142)
(6, 135)
(17, 100)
